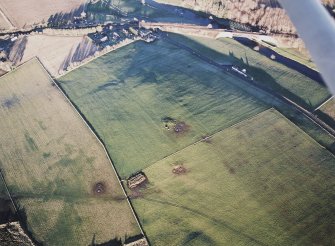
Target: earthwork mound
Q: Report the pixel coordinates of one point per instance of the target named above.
(99, 188)
(177, 127)
(179, 169)
(181, 127)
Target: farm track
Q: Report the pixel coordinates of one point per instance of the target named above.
(89, 126)
(263, 89)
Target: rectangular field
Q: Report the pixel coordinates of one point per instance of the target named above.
(260, 182)
(132, 96)
(28, 12)
(56, 170)
(269, 73)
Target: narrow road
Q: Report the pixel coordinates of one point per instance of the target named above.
(256, 85)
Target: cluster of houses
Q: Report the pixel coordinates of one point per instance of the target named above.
(113, 33)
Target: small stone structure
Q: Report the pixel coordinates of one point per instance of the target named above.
(137, 180)
(140, 242)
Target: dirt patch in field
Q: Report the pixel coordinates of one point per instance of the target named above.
(179, 169)
(175, 126)
(99, 188)
(181, 128)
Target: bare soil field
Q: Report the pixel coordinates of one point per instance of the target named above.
(4, 23)
(28, 12)
(55, 52)
(2, 72)
(56, 170)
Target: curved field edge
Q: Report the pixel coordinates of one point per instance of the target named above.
(261, 182)
(53, 163)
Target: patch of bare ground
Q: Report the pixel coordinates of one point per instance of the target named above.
(29, 12)
(181, 128)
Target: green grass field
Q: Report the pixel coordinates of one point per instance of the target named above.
(296, 55)
(52, 162)
(126, 94)
(269, 73)
(327, 112)
(262, 62)
(260, 182)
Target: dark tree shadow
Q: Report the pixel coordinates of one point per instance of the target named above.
(62, 19)
(17, 50)
(84, 49)
(112, 242)
(22, 215)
